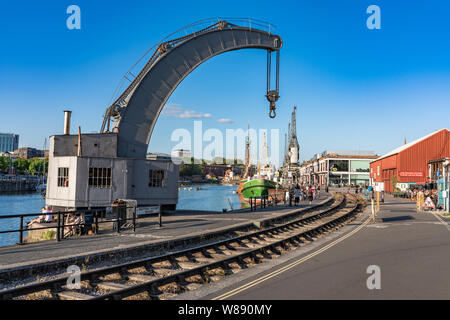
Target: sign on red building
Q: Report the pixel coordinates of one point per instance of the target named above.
(411, 174)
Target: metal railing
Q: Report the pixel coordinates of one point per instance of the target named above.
(96, 218)
(263, 202)
(27, 178)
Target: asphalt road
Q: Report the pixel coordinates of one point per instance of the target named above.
(411, 250)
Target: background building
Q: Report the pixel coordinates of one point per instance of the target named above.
(28, 153)
(338, 168)
(418, 162)
(181, 153)
(220, 170)
(9, 142)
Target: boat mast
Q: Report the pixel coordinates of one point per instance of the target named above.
(266, 161)
(247, 153)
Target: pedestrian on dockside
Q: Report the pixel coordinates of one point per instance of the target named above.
(297, 195)
(310, 195)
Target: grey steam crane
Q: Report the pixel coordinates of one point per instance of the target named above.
(92, 170)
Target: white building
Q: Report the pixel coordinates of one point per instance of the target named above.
(181, 153)
(337, 168)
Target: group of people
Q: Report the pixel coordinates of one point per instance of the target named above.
(301, 193)
(420, 195)
(45, 217)
(71, 225)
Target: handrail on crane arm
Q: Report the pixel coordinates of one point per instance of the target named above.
(174, 39)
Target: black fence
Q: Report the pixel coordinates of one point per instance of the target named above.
(27, 178)
(263, 202)
(82, 221)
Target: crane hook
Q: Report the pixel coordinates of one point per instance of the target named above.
(272, 96)
(272, 112)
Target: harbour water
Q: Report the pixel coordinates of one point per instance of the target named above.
(209, 198)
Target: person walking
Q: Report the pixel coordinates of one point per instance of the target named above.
(310, 195)
(297, 195)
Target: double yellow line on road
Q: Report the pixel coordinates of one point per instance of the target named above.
(442, 221)
(291, 265)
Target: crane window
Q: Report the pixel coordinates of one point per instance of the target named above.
(158, 179)
(63, 177)
(100, 177)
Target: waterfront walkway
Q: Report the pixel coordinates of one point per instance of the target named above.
(177, 225)
(410, 248)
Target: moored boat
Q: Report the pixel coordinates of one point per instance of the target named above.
(257, 188)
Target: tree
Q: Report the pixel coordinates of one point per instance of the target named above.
(188, 170)
(21, 165)
(4, 164)
(37, 165)
(394, 181)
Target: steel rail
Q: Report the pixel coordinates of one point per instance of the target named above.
(56, 284)
(90, 275)
(27, 289)
(180, 276)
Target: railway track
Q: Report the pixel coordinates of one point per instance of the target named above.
(163, 276)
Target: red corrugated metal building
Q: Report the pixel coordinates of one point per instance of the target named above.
(409, 163)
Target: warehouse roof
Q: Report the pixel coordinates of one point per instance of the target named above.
(408, 145)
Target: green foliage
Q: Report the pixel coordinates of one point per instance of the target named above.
(49, 235)
(21, 165)
(394, 182)
(36, 165)
(187, 170)
(29, 166)
(4, 164)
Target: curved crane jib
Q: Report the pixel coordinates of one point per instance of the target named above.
(157, 81)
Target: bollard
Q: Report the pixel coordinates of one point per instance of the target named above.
(96, 222)
(373, 210)
(118, 221)
(134, 219)
(21, 230)
(58, 229)
(378, 201)
(160, 218)
(62, 226)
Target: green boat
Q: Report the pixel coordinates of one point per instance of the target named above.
(257, 188)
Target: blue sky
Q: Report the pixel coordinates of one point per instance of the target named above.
(355, 88)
